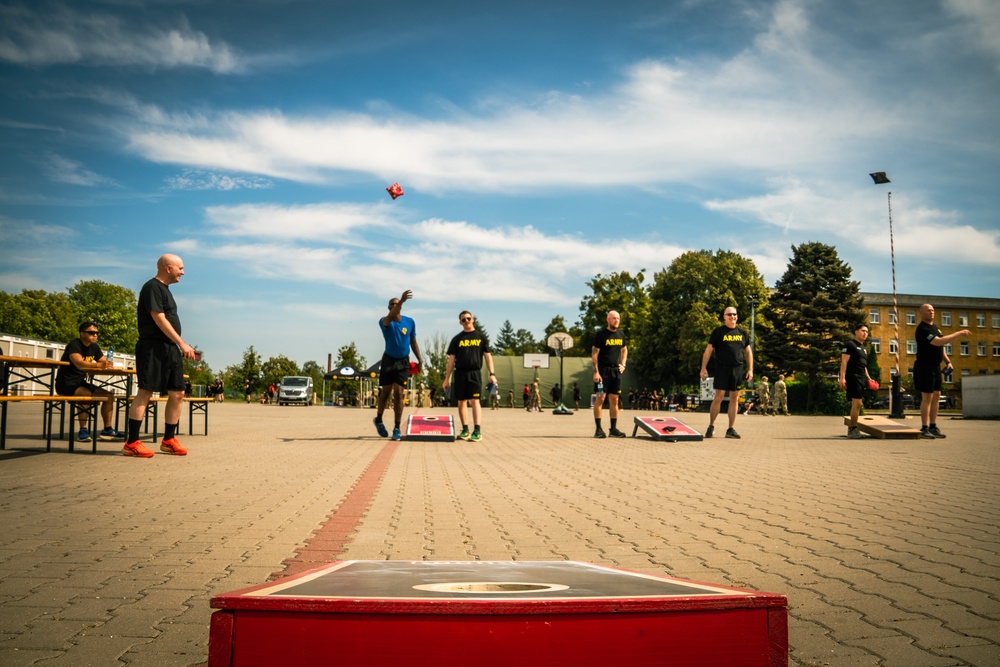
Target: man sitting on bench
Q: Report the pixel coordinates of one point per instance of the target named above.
(83, 355)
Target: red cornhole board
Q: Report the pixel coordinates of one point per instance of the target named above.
(670, 429)
(495, 614)
(430, 427)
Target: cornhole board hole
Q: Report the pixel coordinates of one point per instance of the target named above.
(430, 427)
(884, 428)
(494, 614)
(670, 429)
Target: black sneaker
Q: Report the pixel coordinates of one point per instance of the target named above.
(599, 433)
(926, 434)
(933, 430)
(710, 431)
(615, 433)
(854, 433)
(731, 433)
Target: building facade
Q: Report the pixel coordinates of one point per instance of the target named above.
(977, 355)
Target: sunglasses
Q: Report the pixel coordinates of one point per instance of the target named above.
(465, 319)
(731, 315)
(90, 333)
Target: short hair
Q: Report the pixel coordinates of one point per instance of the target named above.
(861, 324)
(465, 312)
(87, 325)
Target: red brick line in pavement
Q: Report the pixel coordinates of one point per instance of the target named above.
(330, 539)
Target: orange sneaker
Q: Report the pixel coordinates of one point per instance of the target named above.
(136, 449)
(171, 446)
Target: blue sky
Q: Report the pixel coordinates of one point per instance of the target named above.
(539, 144)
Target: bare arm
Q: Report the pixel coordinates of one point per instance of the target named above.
(168, 330)
(447, 373)
(98, 364)
(704, 361)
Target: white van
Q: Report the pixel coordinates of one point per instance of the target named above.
(295, 389)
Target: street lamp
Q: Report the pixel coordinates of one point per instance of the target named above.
(895, 400)
(753, 321)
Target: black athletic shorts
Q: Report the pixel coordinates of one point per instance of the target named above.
(927, 380)
(612, 380)
(855, 385)
(158, 366)
(728, 377)
(64, 389)
(468, 385)
(394, 371)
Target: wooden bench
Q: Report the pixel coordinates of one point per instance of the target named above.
(78, 405)
(194, 405)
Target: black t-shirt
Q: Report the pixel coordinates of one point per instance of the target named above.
(729, 345)
(609, 346)
(857, 364)
(71, 375)
(469, 348)
(928, 355)
(156, 297)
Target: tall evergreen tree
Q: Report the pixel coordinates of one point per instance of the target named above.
(505, 342)
(812, 310)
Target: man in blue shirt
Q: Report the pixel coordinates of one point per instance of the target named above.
(400, 333)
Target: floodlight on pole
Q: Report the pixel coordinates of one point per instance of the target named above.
(895, 402)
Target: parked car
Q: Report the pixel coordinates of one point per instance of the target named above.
(295, 389)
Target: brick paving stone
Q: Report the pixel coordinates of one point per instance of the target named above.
(889, 551)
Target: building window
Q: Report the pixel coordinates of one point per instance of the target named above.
(965, 372)
(892, 317)
(946, 319)
(981, 348)
(964, 348)
(911, 346)
(981, 320)
(893, 346)
(877, 345)
(948, 349)
(963, 319)
(996, 320)
(51, 354)
(996, 349)
(911, 317)
(875, 316)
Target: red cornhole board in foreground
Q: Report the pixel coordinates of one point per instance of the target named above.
(430, 427)
(666, 428)
(495, 614)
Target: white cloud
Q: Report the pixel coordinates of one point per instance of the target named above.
(197, 179)
(65, 170)
(983, 17)
(66, 35)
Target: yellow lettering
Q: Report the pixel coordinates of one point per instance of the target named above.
(614, 341)
(469, 343)
(732, 337)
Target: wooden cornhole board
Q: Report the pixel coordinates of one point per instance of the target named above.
(495, 614)
(430, 427)
(884, 428)
(670, 429)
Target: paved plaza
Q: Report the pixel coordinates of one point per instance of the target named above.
(888, 550)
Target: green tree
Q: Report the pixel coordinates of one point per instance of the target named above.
(249, 369)
(812, 310)
(276, 368)
(112, 307)
(348, 355)
(558, 324)
(525, 343)
(198, 371)
(618, 291)
(435, 352)
(686, 304)
(39, 314)
(505, 342)
(315, 371)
